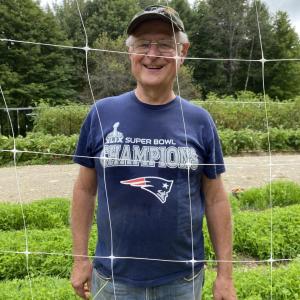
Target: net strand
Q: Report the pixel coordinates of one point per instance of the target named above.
(178, 59)
(188, 164)
(104, 168)
(263, 61)
(126, 53)
(147, 258)
(269, 148)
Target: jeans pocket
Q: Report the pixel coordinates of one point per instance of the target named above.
(194, 276)
(100, 276)
(99, 284)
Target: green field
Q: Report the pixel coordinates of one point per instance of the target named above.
(50, 260)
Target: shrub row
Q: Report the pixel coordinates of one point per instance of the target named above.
(43, 144)
(60, 120)
(233, 142)
(43, 214)
(54, 213)
(233, 114)
(252, 232)
(252, 237)
(50, 288)
(236, 142)
(251, 284)
(283, 193)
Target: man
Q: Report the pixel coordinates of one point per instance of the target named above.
(155, 160)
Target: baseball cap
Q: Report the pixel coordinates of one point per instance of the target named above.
(154, 12)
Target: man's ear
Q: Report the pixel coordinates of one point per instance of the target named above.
(184, 52)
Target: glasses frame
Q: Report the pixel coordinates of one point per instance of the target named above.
(172, 52)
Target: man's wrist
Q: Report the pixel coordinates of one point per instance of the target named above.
(80, 257)
(224, 270)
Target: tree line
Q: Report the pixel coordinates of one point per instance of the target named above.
(216, 28)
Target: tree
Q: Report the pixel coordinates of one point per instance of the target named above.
(31, 72)
(99, 16)
(185, 12)
(234, 28)
(250, 77)
(218, 33)
(108, 16)
(283, 78)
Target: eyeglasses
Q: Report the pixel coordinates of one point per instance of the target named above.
(164, 47)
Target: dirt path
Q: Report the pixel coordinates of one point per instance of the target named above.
(45, 181)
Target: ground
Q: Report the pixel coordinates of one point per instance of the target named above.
(46, 181)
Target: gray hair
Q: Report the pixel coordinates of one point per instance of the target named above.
(180, 37)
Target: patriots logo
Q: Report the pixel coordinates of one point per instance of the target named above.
(157, 186)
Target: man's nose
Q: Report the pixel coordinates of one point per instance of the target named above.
(153, 50)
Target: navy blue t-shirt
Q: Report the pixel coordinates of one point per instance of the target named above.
(149, 161)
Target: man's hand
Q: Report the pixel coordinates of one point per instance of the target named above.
(224, 289)
(81, 278)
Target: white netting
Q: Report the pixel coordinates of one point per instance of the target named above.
(87, 49)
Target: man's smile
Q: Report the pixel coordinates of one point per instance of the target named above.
(150, 67)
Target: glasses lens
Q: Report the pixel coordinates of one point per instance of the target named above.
(164, 47)
(141, 46)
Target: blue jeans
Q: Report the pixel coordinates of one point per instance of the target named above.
(180, 289)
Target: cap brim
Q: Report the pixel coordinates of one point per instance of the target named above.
(147, 17)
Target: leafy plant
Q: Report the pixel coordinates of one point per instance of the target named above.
(52, 252)
(253, 229)
(255, 283)
(283, 193)
(44, 214)
(60, 120)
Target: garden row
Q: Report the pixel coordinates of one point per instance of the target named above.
(251, 284)
(54, 213)
(51, 248)
(50, 258)
(49, 148)
(246, 111)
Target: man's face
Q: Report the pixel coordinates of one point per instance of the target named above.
(149, 71)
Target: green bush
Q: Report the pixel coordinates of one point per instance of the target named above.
(255, 284)
(283, 193)
(43, 147)
(52, 252)
(281, 140)
(50, 288)
(233, 142)
(60, 120)
(231, 113)
(252, 232)
(43, 214)
(252, 237)
(242, 141)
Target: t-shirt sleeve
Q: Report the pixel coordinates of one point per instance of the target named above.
(84, 150)
(214, 162)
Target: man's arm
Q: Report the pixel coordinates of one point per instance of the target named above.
(83, 206)
(218, 216)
